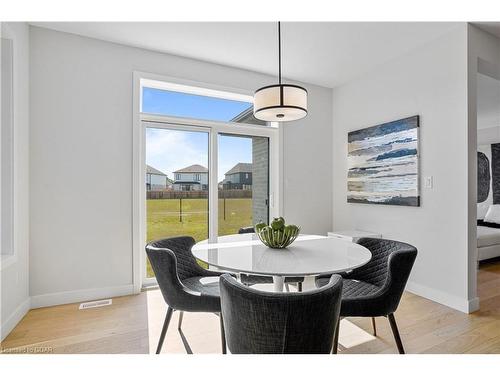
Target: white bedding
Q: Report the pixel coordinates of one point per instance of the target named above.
(487, 236)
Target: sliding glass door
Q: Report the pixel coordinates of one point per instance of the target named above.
(177, 185)
(243, 175)
(203, 182)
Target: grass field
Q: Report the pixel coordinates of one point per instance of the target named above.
(163, 218)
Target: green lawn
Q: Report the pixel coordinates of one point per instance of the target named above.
(163, 218)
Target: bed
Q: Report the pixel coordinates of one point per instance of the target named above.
(488, 240)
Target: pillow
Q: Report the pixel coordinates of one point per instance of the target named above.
(493, 214)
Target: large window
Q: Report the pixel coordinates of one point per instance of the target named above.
(211, 170)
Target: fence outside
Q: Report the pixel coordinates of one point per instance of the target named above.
(171, 194)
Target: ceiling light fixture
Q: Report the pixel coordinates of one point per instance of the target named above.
(281, 102)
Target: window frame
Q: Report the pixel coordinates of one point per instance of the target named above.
(214, 128)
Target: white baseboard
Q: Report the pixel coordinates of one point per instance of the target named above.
(14, 318)
(82, 295)
(463, 305)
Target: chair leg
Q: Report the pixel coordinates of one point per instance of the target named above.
(374, 326)
(222, 334)
(336, 338)
(164, 329)
(395, 332)
(183, 337)
(181, 315)
(299, 286)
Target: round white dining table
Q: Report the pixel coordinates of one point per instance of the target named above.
(308, 255)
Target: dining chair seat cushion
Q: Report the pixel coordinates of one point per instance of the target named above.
(206, 286)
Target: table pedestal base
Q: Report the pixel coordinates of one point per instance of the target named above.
(278, 282)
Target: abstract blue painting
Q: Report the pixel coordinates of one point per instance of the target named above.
(383, 164)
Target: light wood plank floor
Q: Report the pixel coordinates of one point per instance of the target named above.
(132, 324)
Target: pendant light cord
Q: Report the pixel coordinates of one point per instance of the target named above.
(279, 51)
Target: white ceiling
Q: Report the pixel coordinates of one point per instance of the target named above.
(488, 102)
(323, 53)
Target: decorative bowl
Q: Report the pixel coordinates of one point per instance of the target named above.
(277, 235)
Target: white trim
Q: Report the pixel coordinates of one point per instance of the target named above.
(7, 260)
(213, 188)
(244, 129)
(460, 304)
(13, 320)
(473, 305)
(82, 295)
(138, 193)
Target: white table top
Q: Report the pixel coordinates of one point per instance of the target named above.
(309, 255)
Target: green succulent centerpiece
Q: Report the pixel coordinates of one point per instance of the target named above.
(278, 235)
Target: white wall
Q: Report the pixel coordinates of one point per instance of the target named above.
(81, 160)
(14, 295)
(488, 135)
(430, 81)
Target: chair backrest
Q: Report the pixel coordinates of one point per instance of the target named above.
(246, 230)
(181, 246)
(389, 267)
(172, 262)
(258, 322)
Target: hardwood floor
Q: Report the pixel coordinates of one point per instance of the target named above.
(132, 324)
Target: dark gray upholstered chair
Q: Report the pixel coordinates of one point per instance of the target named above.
(258, 322)
(375, 289)
(183, 283)
(256, 279)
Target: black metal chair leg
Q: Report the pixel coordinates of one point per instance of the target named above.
(164, 329)
(336, 338)
(183, 337)
(181, 315)
(299, 286)
(395, 332)
(374, 326)
(222, 334)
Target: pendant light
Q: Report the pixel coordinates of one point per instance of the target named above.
(281, 102)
